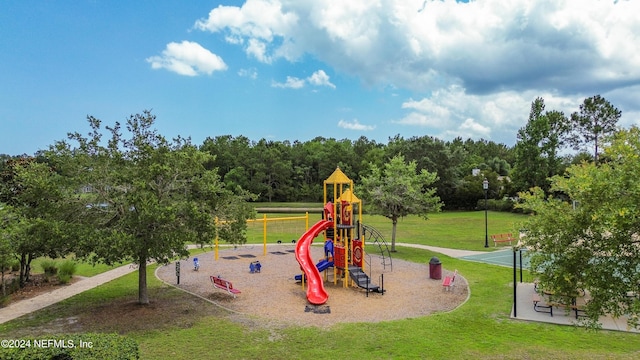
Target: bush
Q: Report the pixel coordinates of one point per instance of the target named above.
(66, 271)
(76, 346)
(15, 266)
(496, 205)
(50, 268)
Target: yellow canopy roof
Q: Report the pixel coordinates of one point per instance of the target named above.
(338, 177)
(349, 197)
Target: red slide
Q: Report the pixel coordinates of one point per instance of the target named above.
(316, 294)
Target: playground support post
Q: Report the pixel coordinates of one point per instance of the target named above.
(264, 234)
(485, 186)
(215, 252)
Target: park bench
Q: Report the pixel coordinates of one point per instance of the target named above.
(502, 238)
(225, 285)
(449, 281)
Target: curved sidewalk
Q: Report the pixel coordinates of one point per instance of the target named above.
(23, 307)
(456, 253)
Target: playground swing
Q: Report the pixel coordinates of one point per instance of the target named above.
(285, 230)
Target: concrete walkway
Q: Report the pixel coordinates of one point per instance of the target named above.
(23, 307)
(455, 253)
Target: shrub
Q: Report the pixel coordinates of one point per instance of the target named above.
(496, 205)
(66, 271)
(50, 268)
(15, 265)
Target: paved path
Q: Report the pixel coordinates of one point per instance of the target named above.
(19, 308)
(449, 252)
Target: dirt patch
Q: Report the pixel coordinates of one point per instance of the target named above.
(168, 308)
(38, 284)
(274, 295)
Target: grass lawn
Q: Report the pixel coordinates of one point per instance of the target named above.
(456, 230)
(179, 326)
(83, 268)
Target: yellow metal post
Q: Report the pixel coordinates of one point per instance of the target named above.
(215, 256)
(264, 234)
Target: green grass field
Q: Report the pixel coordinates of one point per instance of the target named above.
(178, 326)
(456, 230)
(83, 268)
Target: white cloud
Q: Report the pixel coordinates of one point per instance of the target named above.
(355, 125)
(187, 58)
(483, 46)
(291, 83)
(453, 112)
(258, 49)
(251, 73)
(260, 21)
(320, 78)
(472, 67)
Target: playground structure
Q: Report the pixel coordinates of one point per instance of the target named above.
(344, 243)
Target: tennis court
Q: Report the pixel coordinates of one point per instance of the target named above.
(500, 257)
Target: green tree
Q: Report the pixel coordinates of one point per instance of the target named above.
(538, 146)
(272, 169)
(399, 190)
(432, 155)
(590, 237)
(149, 197)
(499, 166)
(42, 216)
(469, 191)
(596, 119)
(7, 222)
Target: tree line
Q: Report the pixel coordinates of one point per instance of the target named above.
(294, 171)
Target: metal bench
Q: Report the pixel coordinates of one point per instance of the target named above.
(449, 281)
(225, 285)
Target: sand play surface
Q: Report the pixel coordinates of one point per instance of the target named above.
(274, 295)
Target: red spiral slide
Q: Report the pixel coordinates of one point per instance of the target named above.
(316, 294)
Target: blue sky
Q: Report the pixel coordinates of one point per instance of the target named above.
(297, 69)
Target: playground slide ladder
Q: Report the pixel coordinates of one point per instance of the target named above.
(373, 237)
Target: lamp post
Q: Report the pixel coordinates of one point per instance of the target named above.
(485, 187)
